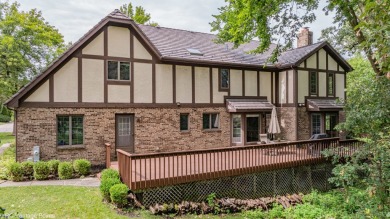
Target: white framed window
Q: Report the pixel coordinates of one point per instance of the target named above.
(211, 121)
(316, 125)
(236, 128)
(118, 70)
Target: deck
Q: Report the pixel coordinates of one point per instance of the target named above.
(143, 171)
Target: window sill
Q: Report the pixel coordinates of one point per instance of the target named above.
(70, 147)
(211, 130)
(185, 131)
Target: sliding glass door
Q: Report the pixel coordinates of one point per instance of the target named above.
(252, 127)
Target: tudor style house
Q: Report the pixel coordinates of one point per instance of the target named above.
(152, 89)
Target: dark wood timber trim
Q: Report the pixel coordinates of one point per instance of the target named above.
(118, 82)
(258, 83)
(345, 87)
(105, 65)
(272, 87)
(131, 67)
(276, 88)
(317, 60)
(323, 70)
(117, 105)
(305, 63)
(80, 79)
(51, 88)
(174, 83)
(193, 83)
(287, 83)
(327, 64)
(154, 82)
(114, 58)
(243, 82)
(211, 84)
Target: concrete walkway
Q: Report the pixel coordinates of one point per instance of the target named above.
(87, 182)
(9, 127)
(3, 147)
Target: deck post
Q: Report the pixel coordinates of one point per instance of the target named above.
(108, 155)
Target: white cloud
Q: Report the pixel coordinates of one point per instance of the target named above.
(73, 18)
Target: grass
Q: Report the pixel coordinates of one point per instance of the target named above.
(6, 137)
(6, 158)
(55, 202)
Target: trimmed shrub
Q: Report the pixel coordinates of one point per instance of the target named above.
(28, 169)
(65, 170)
(4, 118)
(41, 170)
(82, 167)
(53, 167)
(106, 184)
(109, 173)
(118, 194)
(16, 171)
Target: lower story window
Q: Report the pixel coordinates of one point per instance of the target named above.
(184, 122)
(70, 130)
(210, 121)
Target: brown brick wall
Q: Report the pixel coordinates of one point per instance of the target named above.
(156, 129)
(287, 122)
(303, 124)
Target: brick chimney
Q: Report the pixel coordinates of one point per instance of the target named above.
(305, 37)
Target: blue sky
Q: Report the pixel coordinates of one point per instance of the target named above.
(74, 18)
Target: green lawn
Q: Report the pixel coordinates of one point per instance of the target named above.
(56, 202)
(6, 137)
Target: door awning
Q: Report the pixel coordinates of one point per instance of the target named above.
(248, 105)
(324, 105)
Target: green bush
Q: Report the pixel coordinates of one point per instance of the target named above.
(109, 173)
(53, 167)
(28, 169)
(65, 170)
(82, 167)
(41, 170)
(106, 184)
(118, 194)
(16, 171)
(4, 118)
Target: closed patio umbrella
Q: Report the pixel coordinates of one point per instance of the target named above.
(274, 124)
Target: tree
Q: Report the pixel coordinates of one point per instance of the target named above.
(242, 20)
(140, 16)
(27, 45)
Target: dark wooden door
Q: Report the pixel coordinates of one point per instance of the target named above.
(125, 132)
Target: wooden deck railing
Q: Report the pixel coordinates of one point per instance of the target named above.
(142, 171)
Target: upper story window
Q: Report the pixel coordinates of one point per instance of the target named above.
(210, 121)
(118, 70)
(224, 79)
(70, 130)
(184, 122)
(331, 84)
(313, 83)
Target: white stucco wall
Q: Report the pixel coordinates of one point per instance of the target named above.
(322, 59)
(66, 82)
(311, 62)
(183, 84)
(322, 84)
(303, 85)
(250, 83)
(282, 87)
(235, 82)
(118, 42)
(139, 50)
(143, 83)
(118, 93)
(332, 64)
(41, 94)
(202, 85)
(96, 46)
(218, 97)
(164, 83)
(339, 82)
(265, 84)
(93, 81)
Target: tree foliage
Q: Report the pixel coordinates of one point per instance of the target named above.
(364, 22)
(27, 45)
(139, 15)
